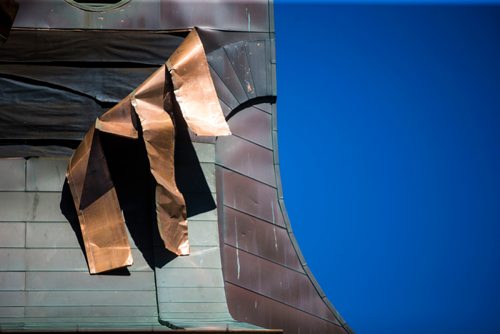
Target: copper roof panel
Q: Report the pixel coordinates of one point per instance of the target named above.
(269, 313)
(222, 65)
(246, 158)
(246, 195)
(260, 238)
(217, 38)
(226, 97)
(253, 125)
(238, 55)
(274, 281)
(258, 55)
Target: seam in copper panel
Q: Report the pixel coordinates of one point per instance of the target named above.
(234, 70)
(265, 258)
(277, 301)
(253, 216)
(218, 75)
(274, 281)
(257, 107)
(313, 285)
(241, 174)
(251, 142)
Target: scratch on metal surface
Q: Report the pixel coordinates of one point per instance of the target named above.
(59, 172)
(275, 239)
(248, 19)
(36, 201)
(274, 227)
(249, 87)
(33, 179)
(272, 211)
(237, 247)
(249, 164)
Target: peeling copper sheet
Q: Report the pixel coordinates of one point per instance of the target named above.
(197, 98)
(153, 102)
(159, 134)
(103, 229)
(118, 120)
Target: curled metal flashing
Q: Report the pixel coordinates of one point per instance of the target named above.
(187, 85)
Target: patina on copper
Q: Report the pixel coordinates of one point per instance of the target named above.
(94, 195)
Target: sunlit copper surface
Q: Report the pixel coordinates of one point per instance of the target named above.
(154, 101)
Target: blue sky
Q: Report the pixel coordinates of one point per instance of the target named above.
(389, 137)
